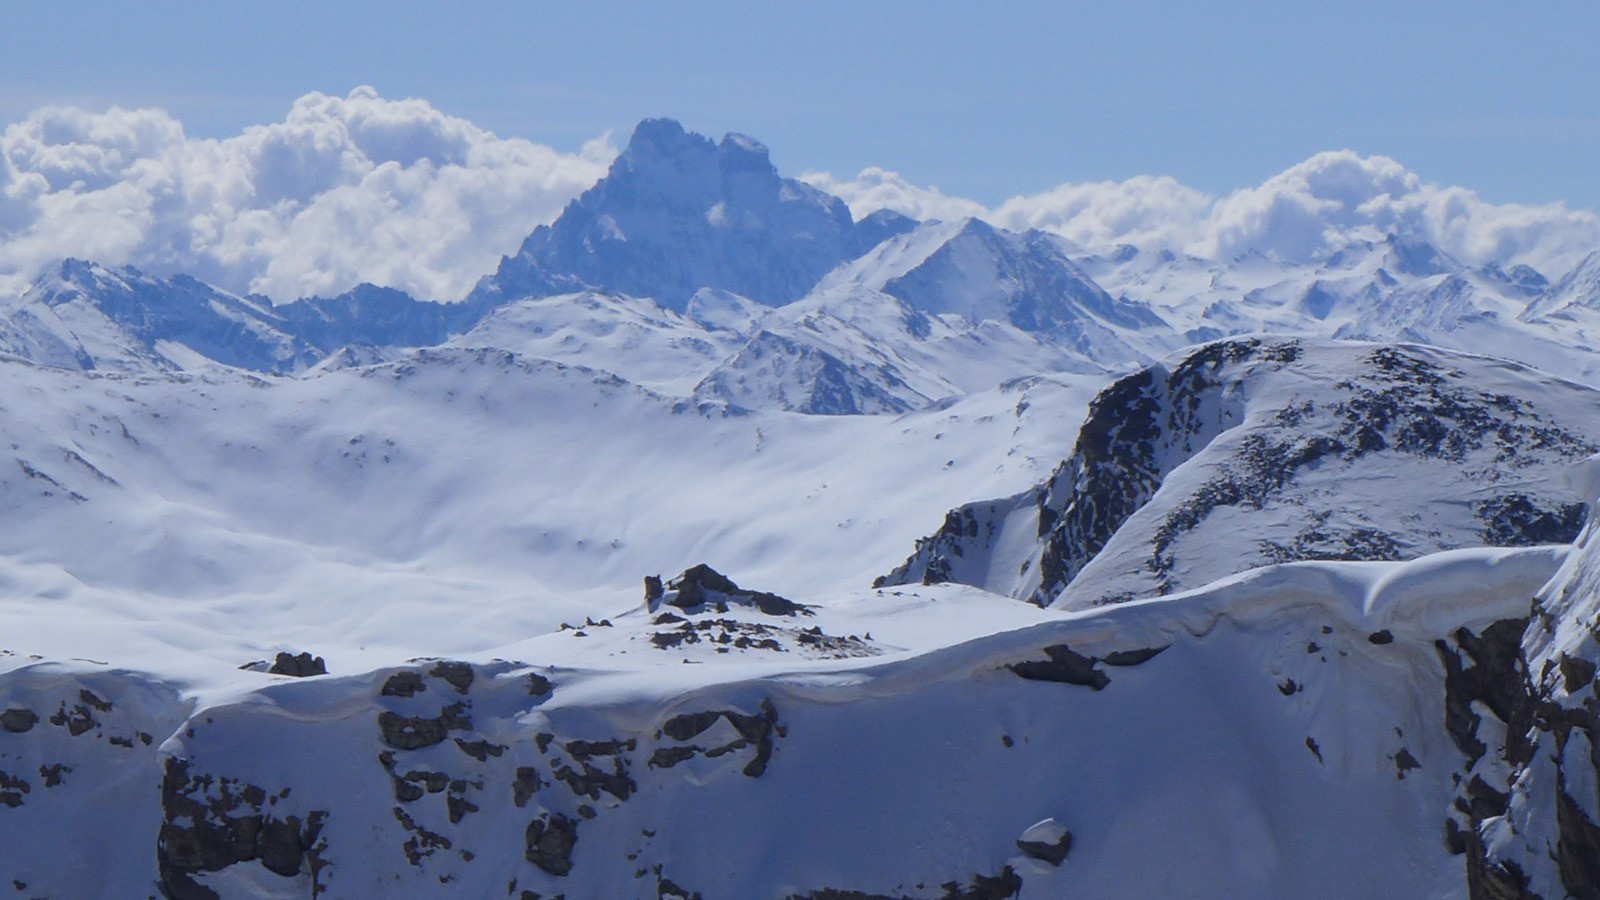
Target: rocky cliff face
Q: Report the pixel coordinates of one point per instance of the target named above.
(679, 212)
(1523, 707)
(1310, 439)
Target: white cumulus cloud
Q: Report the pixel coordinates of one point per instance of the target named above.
(364, 188)
(1306, 212)
(343, 190)
(874, 189)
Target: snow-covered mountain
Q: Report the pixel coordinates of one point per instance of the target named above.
(980, 273)
(650, 346)
(678, 212)
(1572, 305)
(1395, 288)
(815, 312)
(86, 316)
(342, 597)
(1254, 451)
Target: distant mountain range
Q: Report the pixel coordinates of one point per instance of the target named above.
(788, 303)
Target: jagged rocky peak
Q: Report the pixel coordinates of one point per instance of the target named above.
(701, 587)
(678, 212)
(664, 165)
(1325, 450)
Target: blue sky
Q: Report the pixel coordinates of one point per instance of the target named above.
(984, 102)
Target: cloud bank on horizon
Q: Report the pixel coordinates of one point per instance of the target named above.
(343, 190)
(1299, 215)
(396, 192)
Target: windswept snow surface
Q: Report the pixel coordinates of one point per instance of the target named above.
(449, 500)
(1276, 734)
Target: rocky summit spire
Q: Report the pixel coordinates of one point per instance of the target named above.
(678, 212)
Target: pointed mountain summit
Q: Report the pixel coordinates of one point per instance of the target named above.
(981, 273)
(678, 212)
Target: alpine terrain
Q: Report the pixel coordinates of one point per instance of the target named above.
(725, 543)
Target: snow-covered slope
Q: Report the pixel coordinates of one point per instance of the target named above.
(439, 502)
(1261, 450)
(636, 339)
(1571, 306)
(1284, 733)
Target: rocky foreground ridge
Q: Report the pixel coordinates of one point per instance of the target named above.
(1394, 729)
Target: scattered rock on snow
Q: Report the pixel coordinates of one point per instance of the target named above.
(1046, 840)
(298, 665)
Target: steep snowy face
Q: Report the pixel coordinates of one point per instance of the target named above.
(1248, 452)
(678, 212)
(944, 310)
(898, 357)
(772, 371)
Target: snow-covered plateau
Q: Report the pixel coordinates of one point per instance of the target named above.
(722, 544)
